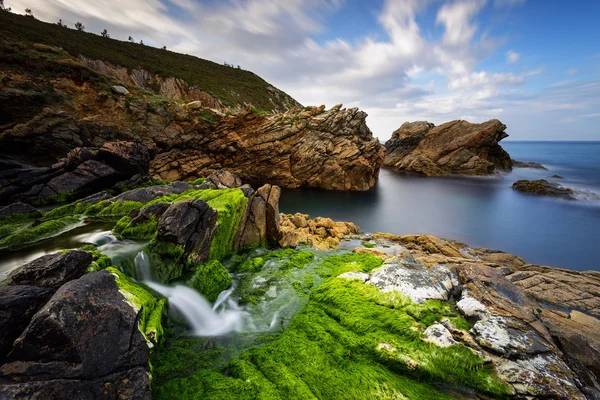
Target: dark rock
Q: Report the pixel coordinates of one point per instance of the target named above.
(144, 195)
(79, 155)
(18, 208)
(154, 211)
(260, 221)
(88, 176)
(52, 271)
(190, 224)
(17, 305)
(456, 147)
(85, 332)
(528, 164)
(128, 158)
(543, 187)
(556, 177)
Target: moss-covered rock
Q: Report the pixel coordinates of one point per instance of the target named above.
(210, 279)
(152, 308)
(35, 233)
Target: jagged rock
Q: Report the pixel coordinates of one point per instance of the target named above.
(18, 208)
(144, 195)
(191, 224)
(456, 147)
(320, 233)
(128, 158)
(88, 176)
(331, 149)
(18, 304)
(224, 179)
(260, 222)
(527, 164)
(63, 352)
(53, 270)
(543, 187)
(120, 90)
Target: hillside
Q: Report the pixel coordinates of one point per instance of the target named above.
(232, 86)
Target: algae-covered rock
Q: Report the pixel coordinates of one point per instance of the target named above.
(53, 270)
(210, 279)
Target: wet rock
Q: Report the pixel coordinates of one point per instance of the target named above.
(528, 164)
(155, 211)
(144, 195)
(190, 224)
(18, 304)
(52, 271)
(18, 209)
(88, 176)
(439, 335)
(414, 280)
(543, 187)
(456, 147)
(86, 334)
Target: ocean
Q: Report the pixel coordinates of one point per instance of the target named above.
(483, 211)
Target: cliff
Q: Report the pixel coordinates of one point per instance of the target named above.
(457, 147)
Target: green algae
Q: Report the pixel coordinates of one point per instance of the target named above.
(168, 260)
(151, 308)
(210, 279)
(350, 341)
(198, 181)
(36, 233)
(142, 231)
(101, 260)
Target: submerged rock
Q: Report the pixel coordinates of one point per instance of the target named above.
(528, 164)
(456, 147)
(543, 187)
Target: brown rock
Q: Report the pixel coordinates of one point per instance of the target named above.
(456, 147)
(543, 187)
(320, 233)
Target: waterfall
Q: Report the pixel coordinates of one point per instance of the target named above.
(204, 319)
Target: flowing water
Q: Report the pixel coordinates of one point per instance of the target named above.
(483, 212)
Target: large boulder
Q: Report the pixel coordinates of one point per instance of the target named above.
(260, 222)
(85, 342)
(544, 188)
(128, 158)
(457, 147)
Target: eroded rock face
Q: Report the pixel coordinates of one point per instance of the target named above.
(544, 188)
(456, 147)
(538, 326)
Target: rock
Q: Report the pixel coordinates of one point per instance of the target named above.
(53, 270)
(556, 177)
(84, 342)
(439, 335)
(543, 187)
(191, 224)
(320, 233)
(456, 147)
(355, 275)
(260, 221)
(89, 176)
(224, 179)
(18, 304)
(155, 211)
(414, 280)
(128, 158)
(18, 209)
(120, 90)
(527, 164)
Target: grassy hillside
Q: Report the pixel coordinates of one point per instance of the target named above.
(230, 85)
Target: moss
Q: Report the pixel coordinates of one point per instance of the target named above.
(101, 261)
(39, 232)
(210, 279)
(369, 245)
(251, 265)
(152, 309)
(336, 265)
(206, 116)
(142, 231)
(460, 323)
(198, 181)
(168, 260)
(13, 223)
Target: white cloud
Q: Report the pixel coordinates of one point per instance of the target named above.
(456, 17)
(512, 57)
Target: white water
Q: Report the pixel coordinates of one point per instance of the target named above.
(204, 319)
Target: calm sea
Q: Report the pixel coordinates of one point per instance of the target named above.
(483, 212)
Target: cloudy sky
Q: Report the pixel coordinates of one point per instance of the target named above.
(533, 64)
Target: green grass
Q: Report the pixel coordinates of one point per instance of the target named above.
(210, 279)
(152, 308)
(230, 85)
(351, 341)
(39, 232)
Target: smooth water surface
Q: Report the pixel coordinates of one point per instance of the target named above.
(483, 212)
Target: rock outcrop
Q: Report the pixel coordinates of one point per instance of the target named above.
(538, 326)
(320, 233)
(456, 147)
(543, 187)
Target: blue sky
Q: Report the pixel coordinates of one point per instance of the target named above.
(533, 64)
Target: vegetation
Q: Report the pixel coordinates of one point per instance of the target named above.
(350, 341)
(39, 232)
(210, 279)
(230, 85)
(142, 231)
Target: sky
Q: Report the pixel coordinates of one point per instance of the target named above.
(533, 64)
